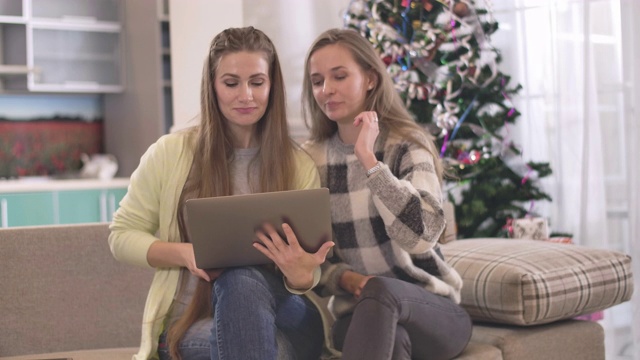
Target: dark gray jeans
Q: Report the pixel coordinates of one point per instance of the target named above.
(395, 319)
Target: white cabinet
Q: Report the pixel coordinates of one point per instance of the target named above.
(61, 45)
(90, 11)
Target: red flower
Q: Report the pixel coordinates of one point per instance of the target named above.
(18, 149)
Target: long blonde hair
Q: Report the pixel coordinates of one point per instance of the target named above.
(393, 116)
(213, 151)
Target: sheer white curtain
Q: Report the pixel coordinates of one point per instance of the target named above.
(575, 61)
(631, 14)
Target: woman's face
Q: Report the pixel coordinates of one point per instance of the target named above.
(242, 86)
(339, 84)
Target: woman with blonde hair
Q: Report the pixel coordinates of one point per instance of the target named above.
(394, 295)
(240, 146)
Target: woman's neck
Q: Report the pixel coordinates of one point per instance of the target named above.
(348, 133)
(243, 138)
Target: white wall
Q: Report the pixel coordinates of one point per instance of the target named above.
(292, 25)
(193, 26)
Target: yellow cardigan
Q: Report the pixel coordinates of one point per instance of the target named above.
(148, 213)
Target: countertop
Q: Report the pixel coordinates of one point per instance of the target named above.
(37, 184)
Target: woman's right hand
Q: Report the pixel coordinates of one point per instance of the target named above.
(369, 130)
(354, 282)
(189, 260)
(170, 254)
(297, 265)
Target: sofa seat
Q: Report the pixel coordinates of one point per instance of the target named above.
(479, 351)
(583, 340)
(98, 354)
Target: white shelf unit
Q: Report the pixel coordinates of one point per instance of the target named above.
(11, 11)
(61, 46)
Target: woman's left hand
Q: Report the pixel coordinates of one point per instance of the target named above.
(296, 264)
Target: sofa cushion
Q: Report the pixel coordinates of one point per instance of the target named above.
(528, 282)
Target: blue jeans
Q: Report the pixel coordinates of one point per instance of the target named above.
(398, 320)
(255, 317)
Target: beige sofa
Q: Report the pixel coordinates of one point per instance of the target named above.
(64, 296)
(523, 296)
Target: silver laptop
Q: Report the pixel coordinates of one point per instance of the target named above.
(222, 229)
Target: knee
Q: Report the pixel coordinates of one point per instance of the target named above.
(381, 289)
(240, 277)
(241, 284)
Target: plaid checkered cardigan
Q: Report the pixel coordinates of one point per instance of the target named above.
(385, 225)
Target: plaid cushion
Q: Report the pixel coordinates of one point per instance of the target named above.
(529, 282)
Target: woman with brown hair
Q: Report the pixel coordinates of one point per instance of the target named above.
(241, 146)
(394, 295)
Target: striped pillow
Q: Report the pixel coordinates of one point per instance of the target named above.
(529, 282)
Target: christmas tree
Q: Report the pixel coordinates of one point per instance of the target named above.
(444, 67)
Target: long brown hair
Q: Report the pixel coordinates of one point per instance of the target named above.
(383, 98)
(213, 151)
